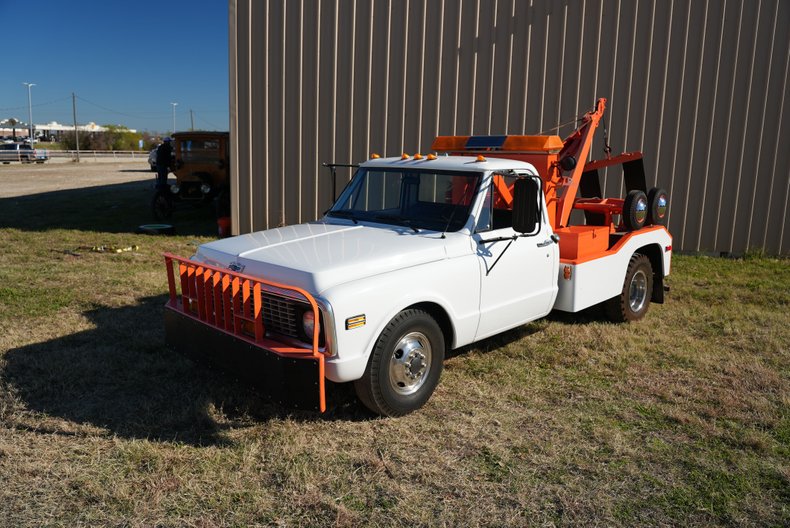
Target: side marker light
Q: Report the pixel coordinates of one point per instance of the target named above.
(566, 273)
(355, 322)
(667, 249)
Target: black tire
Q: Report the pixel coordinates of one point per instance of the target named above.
(162, 205)
(405, 365)
(156, 229)
(634, 299)
(635, 210)
(657, 206)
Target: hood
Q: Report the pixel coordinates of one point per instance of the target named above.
(317, 256)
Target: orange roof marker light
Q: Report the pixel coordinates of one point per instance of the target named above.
(404, 156)
(418, 156)
(430, 157)
(480, 157)
(374, 156)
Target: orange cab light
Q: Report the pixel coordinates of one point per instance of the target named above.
(374, 156)
(418, 156)
(430, 157)
(449, 143)
(480, 157)
(404, 156)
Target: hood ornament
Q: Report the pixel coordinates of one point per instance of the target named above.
(236, 266)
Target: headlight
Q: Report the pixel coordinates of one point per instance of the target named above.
(205, 188)
(175, 188)
(308, 323)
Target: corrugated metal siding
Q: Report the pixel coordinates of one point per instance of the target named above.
(700, 86)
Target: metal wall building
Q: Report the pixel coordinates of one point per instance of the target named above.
(699, 85)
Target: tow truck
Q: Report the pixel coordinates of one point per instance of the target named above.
(421, 254)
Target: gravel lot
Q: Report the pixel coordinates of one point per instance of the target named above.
(18, 179)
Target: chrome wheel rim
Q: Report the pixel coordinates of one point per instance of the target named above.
(662, 206)
(637, 291)
(410, 363)
(641, 210)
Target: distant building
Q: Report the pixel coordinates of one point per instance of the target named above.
(13, 127)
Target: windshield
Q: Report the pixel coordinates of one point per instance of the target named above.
(435, 200)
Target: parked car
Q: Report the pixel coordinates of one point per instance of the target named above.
(21, 152)
(152, 159)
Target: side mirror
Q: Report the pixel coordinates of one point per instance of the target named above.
(526, 213)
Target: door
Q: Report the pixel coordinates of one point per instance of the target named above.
(518, 275)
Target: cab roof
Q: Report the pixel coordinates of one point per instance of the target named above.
(452, 163)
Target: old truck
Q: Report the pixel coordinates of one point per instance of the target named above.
(419, 255)
(201, 164)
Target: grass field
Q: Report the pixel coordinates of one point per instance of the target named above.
(681, 419)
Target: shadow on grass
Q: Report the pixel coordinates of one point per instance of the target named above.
(119, 376)
(116, 208)
(592, 314)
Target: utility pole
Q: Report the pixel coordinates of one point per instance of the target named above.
(76, 133)
(30, 111)
(174, 117)
(191, 121)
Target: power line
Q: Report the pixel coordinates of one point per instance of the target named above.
(35, 105)
(126, 114)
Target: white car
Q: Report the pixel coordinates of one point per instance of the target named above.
(152, 159)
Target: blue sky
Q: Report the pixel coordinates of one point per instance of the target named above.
(126, 62)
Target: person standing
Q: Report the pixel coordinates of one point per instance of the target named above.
(164, 154)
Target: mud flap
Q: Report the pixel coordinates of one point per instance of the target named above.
(290, 381)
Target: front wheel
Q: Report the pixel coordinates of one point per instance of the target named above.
(405, 365)
(634, 299)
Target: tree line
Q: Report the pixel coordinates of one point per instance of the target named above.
(115, 138)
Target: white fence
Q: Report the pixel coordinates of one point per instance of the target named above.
(100, 154)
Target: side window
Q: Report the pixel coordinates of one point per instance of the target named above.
(497, 212)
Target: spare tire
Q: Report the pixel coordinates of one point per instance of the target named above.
(156, 229)
(657, 206)
(635, 210)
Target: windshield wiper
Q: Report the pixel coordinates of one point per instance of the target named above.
(398, 220)
(344, 214)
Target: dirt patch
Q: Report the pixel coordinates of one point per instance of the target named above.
(23, 180)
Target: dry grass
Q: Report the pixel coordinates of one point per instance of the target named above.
(682, 419)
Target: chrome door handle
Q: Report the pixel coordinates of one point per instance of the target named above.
(554, 238)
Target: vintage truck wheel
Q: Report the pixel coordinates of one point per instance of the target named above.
(634, 300)
(405, 365)
(162, 205)
(635, 210)
(657, 206)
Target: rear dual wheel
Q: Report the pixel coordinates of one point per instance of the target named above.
(405, 365)
(634, 299)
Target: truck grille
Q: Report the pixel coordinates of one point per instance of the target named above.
(280, 315)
